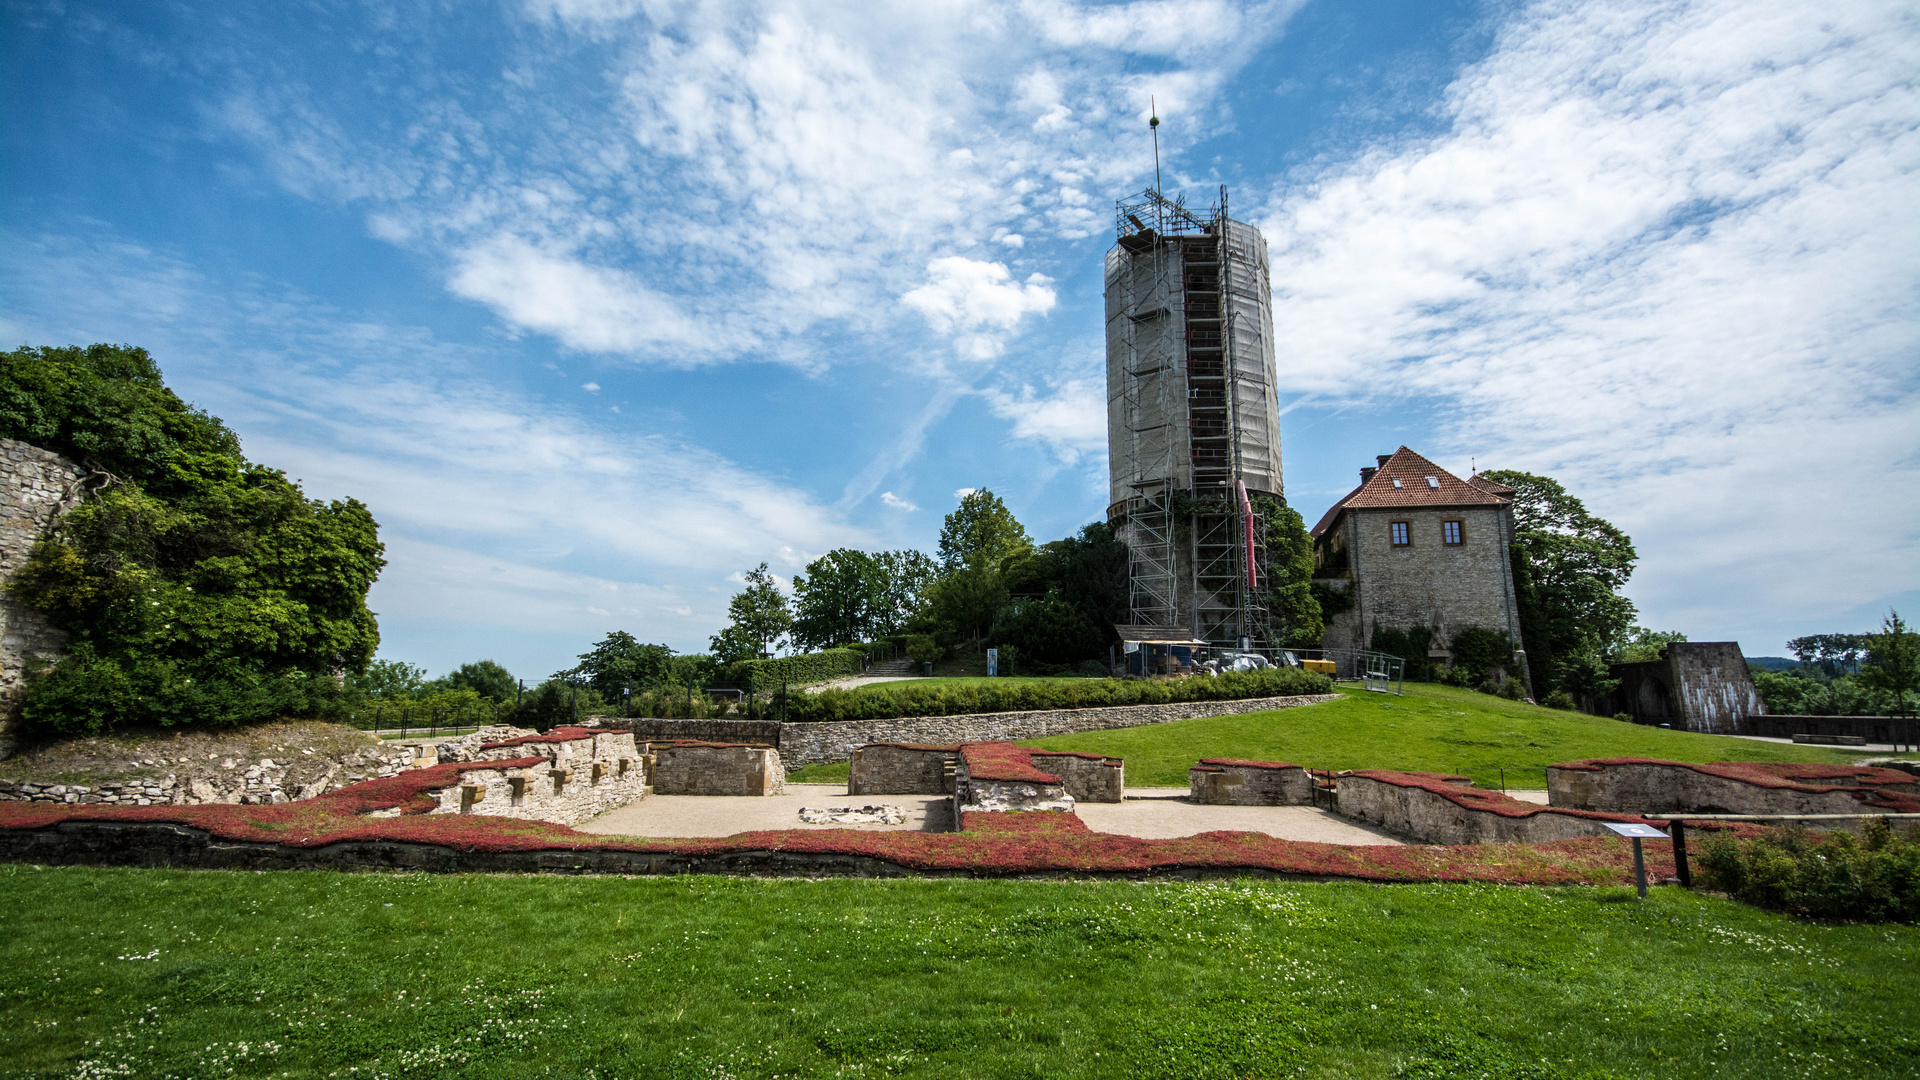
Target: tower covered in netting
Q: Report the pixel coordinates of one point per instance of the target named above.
(1193, 433)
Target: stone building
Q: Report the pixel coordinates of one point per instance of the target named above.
(37, 488)
(1415, 546)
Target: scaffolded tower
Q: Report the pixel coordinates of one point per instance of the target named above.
(1192, 426)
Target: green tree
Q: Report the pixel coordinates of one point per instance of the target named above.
(1834, 654)
(834, 601)
(390, 679)
(1569, 567)
(1892, 668)
(1286, 589)
(981, 532)
(196, 587)
(1643, 644)
(620, 662)
(1047, 632)
(483, 677)
(961, 605)
(904, 577)
(760, 619)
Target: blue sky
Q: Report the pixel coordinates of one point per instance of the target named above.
(598, 303)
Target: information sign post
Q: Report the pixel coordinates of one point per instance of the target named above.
(1637, 833)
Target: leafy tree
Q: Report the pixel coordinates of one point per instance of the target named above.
(1048, 632)
(1569, 567)
(981, 532)
(1833, 654)
(961, 605)
(1892, 669)
(1643, 644)
(559, 701)
(620, 662)
(390, 679)
(901, 593)
(483, 677)
(760, 620)
(196, 587)
(1087, 571)
(1286, 587)
(835, 599)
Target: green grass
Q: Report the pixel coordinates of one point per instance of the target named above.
(192, 974)
(826, 772)
(1432, 729)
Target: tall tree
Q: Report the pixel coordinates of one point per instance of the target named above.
(1892, 670)
(1833, 654)
(835, 599)
(902, 590)
(620, 662)
(1287, 589)
(483, 677)
(1569, 567)
(760, 618)
(981, 532)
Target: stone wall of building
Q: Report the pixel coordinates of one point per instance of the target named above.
(1696, 686)
(811, 744)
(1427, 583)
(902, 769)
(1232, 782)
(1426, 809)
(37, 487)
(1641, 786)
(1086, 777)
(716, 769)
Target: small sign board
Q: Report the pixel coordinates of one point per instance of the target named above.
(993, 662)
(1638, 832)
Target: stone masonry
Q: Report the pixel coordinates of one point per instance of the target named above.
(37, 488)
(1646, 786)
(701, 768)
(565, 776)
(1233, 782)
(902, 769)
(245, 782)
(1430, 808)
(1695, 685)
(836, 740)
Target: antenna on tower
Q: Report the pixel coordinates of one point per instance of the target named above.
(1153, 125)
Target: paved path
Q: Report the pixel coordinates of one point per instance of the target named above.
(1164, 813)
(848, 682)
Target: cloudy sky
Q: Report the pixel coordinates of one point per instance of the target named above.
(598, 303)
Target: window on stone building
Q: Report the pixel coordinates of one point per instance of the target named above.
(1451, 532)
(1402, 533)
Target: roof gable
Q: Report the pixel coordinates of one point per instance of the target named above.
(1409, 480)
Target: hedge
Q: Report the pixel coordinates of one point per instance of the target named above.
(765, 675)
(890, 702)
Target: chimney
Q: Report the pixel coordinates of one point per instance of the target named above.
(1366, 473)
(1383, 459)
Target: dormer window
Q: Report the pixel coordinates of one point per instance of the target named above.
(1433, 482)
(1397, 485)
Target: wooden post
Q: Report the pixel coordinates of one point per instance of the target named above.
(1680, 868)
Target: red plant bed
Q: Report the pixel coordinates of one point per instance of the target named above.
(1244, 763)
(557, 735)
(1493, 802)
(991, 844)
(683, 743)
(1005, 762)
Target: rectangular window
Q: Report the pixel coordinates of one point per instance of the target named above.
(1450, 532)
(1402, 534)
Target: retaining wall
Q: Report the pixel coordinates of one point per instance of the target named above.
(1433, 808)
(716, 769)
(1649, 786)
(1087, 777)
(902, 769)
(1234, 782)
(1874, 729)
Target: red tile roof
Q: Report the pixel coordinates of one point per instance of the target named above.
(1412, 471)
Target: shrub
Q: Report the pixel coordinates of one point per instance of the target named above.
(1560, 699)
(760, 676)
(1625, 718)
(891, 702)
(1480, 651)
(1839, 876)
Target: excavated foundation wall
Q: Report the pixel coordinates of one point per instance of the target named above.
(1426, 817)
(1672, 788)
(1227, 782)
(1086, 777)
(897, 769)
(717, 770)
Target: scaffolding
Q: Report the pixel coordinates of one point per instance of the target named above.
(1190, 374)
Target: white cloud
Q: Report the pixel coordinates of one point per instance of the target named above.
(961, 493)
(1665, 252)
(978, 302)
(591, 308)
(594, 388)
(1071, 418)
(896, 501)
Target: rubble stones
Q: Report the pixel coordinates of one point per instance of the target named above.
(853, 815)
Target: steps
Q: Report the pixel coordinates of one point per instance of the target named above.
(893, 668)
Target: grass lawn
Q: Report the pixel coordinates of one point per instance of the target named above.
(200, 974)
(1432, 729)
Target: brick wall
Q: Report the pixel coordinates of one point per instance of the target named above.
(37, 487)
(1427, 583)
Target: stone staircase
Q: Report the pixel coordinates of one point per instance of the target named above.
(894, 668)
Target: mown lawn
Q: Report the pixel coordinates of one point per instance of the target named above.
(1432, 729)
(205, 974)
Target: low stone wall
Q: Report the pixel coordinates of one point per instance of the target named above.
(1235, 782)
(1000, 776)
(650, 729)
(811, 744)
(692, 768)
(537, 789)
(264, 781)
(1087, 777)
(1904, 730)
(1649, 786)
(902, 769)
(1433, 808)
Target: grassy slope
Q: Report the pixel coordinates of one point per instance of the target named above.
(1433, 728)
(313, 974)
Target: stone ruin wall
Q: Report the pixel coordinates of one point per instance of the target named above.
(575, 780)
(1230, 783)
(37, 488)
(1086, 777)
(245, 783)
(896, 769)
(1673, 788)
(1425, 817)
(717, 769)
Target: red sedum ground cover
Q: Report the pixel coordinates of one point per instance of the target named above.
(1246, 763)
(1797, 776)
(991, 844)
(1493, 802)
(1004, 762)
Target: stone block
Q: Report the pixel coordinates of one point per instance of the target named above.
(902, 769)
(1236, 782)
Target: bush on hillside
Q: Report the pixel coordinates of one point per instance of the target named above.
(1835, 876)
(948, 699)
(761, 676)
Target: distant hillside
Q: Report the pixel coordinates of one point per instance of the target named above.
(1772, 663)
